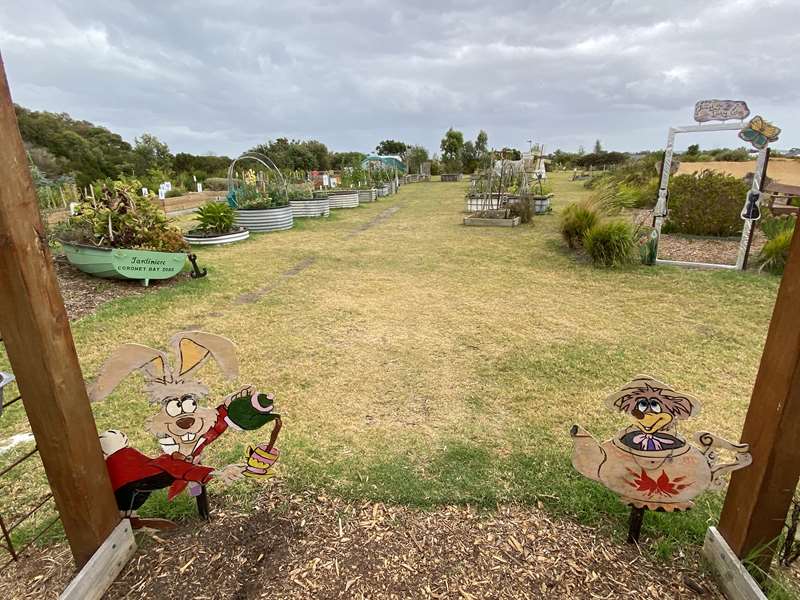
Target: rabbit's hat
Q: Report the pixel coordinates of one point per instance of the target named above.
(192, 349)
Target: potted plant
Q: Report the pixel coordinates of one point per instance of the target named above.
(541, 201)
(306, 203)
(116, 234)
(216, 226)
(261, 206)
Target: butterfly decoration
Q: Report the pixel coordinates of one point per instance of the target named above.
(759, 132)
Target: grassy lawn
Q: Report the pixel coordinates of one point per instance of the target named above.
(423, 362)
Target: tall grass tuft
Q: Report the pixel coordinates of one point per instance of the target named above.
(576, 220)
(610, 244)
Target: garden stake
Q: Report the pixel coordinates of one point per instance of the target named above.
(196, 272)
(635, 524)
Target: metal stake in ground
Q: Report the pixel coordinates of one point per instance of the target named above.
(635, 524)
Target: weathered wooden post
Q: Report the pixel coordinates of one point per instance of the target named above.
(759, 497)
(42, 354)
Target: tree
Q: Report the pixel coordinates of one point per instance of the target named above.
(339, 160)
(452, 146)
(482, 142)
(151, 153)
(598, 149)
(391, 148)
(693, 150)
(414, 157)
(469, 157)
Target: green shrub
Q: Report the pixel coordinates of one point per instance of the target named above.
(705, 203)
(174, 193)
(576, 220)
(215, 218)
(774, 226)
(775, 253)
(117, 218)
(218, 184)
(610, 244)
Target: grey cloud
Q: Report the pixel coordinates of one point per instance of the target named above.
(222, 75)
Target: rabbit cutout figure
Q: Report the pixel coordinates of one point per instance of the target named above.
(183, 427)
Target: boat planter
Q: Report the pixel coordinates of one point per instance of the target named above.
(366, 196)
(198, 238)
(347, 199)
(541, 203)
(122, 263)
(489, 222)
(311, 207)
(451, 177)
(262, 220)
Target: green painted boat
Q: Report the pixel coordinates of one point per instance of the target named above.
(121, 263)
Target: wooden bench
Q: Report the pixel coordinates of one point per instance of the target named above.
(781, 197)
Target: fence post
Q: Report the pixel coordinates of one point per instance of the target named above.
(42, 353)
(759, 496)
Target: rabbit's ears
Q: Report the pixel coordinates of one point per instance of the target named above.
(126, 359)
(192, 350)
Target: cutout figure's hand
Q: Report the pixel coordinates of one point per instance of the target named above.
(229, 474)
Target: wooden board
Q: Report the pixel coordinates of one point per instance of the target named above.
(733, 578)
(42, 354)
(758, 498)
(99, 573)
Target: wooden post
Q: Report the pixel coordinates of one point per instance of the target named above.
(759, 496)
(42, 353)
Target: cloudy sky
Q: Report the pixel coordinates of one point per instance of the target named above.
(221, 76)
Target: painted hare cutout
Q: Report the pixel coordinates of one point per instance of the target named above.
(649, 464)
(182, 426)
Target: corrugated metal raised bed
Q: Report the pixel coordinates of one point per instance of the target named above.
(367, 196)
(265, 219)
(344, 199)
(311, 207)
(198, 239)
(451, 177)
(382, 191)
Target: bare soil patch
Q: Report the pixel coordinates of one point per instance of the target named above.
(309, 546)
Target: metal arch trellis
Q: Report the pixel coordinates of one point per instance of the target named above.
(660, 212)
(264, 160)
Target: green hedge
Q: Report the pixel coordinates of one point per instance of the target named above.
(705, 203)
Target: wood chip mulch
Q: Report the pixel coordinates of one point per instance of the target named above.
(312, 546)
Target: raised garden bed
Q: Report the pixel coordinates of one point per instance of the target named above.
(451, 177)
(541, 203)
(122, 263)
(367, 196)
(199, 238)
(347, 199)
(311, 207)
(382, 191)
(492, 218)
(261, 220)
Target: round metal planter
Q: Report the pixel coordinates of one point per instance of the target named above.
(345, 200)
(217, 240)
(311, 207)
(265, 219)
(383, 191)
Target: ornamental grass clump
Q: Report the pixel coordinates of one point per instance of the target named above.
(576, 220)
(117, 218)
(610, 244)
(775, 253)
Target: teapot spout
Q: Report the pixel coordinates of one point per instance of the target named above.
(587, 455)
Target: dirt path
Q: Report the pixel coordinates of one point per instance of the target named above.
(307, 546)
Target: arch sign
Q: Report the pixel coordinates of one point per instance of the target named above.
(715, 115)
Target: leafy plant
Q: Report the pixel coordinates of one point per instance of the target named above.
(774, 226)
(576, 220)
(775, 253)
(215, 218)
(705, 203)
(610, 244)
(117, 218)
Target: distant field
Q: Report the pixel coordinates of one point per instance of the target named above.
(783, 170)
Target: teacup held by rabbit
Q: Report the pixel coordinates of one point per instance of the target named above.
(183, 427)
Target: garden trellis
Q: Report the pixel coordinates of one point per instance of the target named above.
(660, 212)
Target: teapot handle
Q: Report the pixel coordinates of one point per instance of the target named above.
(742, 456)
